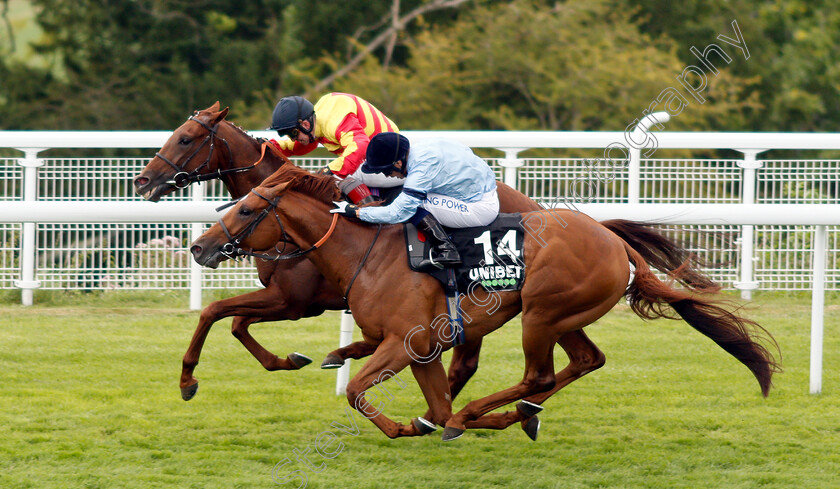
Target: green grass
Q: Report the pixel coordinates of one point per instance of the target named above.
(89, 399)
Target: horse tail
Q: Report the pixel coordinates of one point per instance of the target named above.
(650, 298)
(662, 253)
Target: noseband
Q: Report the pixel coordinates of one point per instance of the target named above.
(182, 178)
(232, 250)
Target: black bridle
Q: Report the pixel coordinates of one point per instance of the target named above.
(232, 250)
(183, 179)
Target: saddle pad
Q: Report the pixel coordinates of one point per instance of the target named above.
(492, 255)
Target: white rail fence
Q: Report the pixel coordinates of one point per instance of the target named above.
(75, 223)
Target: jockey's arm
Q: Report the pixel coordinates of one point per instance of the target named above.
(400, 210)
(353, 143)
(290, 147)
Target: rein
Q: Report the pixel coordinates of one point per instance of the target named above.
(183, 179)
(231, 248)
(361, 264)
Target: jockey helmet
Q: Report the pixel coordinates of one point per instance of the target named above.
(288, 113)
(383, 151)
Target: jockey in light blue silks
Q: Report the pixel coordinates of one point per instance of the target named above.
(445, 183)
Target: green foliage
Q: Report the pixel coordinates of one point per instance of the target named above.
(516, 64)
(144, 64)
(792, 53)
(524, 65)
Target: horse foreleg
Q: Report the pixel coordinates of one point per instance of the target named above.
(389, 359)
(266, 304)
(462, 366)
(433, 382)
(188, 383)
(353, 351)
(269, 361)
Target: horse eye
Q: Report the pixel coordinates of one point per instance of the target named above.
(244, 211)
(185, 141)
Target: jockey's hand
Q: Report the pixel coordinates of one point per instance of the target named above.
(348, 210)
(324, 171)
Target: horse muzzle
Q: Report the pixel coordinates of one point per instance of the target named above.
(152, 189)
(209, 257)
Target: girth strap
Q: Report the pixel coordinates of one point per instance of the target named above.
(361, 264)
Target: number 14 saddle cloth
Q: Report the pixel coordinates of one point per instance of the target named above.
(492, 255)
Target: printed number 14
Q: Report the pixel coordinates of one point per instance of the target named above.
(507, 246)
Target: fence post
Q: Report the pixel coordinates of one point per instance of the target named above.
(817, 307)
(27, 282)
(634, 167)
(196, 229)
(345, 338)
(510, 163)
(748, 283)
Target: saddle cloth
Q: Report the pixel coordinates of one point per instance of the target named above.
(492, 255)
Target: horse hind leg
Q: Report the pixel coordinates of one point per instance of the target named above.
(584, 357)
(543, 324)
(463, 365)
(538, 345)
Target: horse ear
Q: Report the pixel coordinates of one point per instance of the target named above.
(219, 116)
(278, 189)
(214, 107)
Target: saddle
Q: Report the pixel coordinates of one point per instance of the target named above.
(492, 255)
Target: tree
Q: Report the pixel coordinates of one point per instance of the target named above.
(794, 63)
(146, 64)
(526, 64)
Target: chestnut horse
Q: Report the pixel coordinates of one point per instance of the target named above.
(206, 147)
(575, 273)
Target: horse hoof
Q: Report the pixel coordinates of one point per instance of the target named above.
(423, 426)
(332, 361)
(299, 360)
(529, 409)
(188, 393)
(532, 428)
(450, 433)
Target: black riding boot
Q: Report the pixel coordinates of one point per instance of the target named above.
(444, 254)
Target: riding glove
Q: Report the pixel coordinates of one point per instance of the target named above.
(348, 210)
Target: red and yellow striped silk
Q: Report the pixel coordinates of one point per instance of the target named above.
(344, 124)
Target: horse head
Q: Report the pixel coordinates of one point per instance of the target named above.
(245, 225)
(189, 150)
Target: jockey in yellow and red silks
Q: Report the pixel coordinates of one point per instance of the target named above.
(342, 123)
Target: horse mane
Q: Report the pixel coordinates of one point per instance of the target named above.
(231, 123)
(238, 127)
(272, 151)
(321, 187)
(318, 186)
